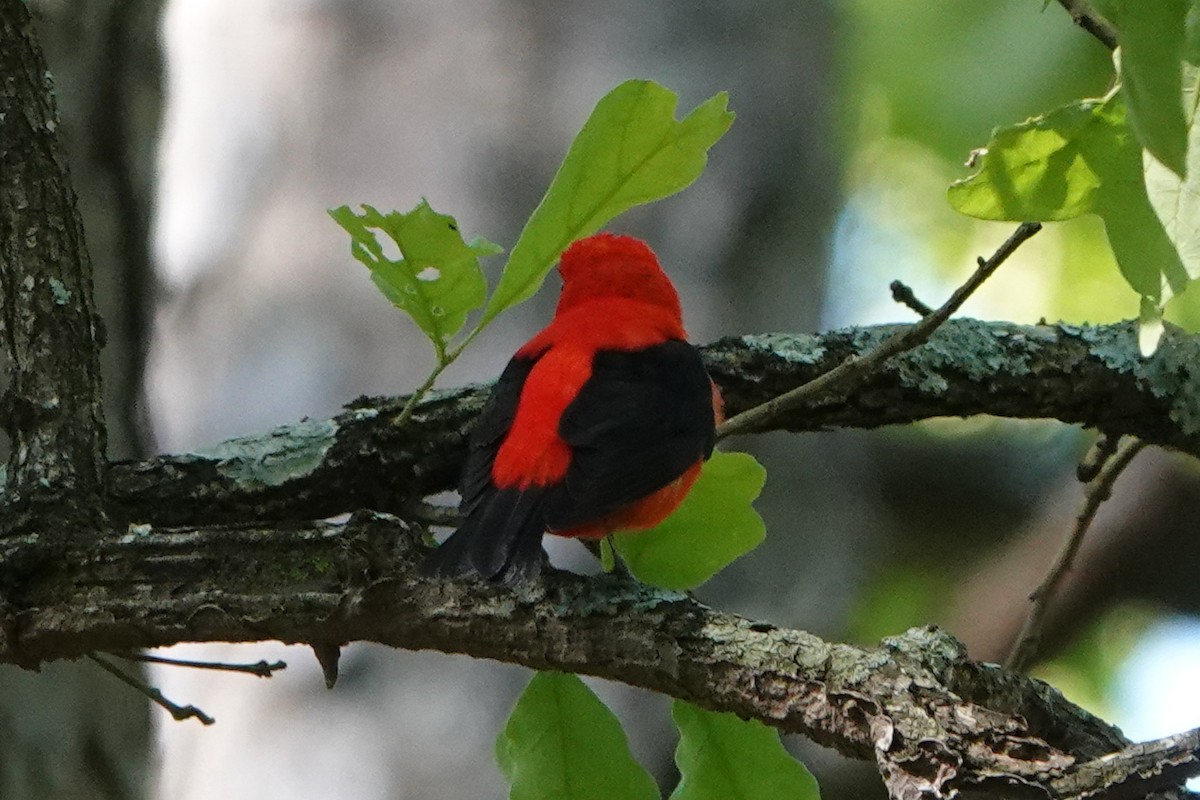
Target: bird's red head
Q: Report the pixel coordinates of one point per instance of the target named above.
(609, 266)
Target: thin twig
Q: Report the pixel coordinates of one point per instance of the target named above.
(855, 367)
(1086, 18)
(262, 669)
(1096, 457)
(902, 293)
(179, 712)
(1025, 648)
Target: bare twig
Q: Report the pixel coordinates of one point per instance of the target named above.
(1085, 17)
(1096, 457)
(1025, 648)
(856, 367)
(179, 712)
(902, 293)
(262, 669)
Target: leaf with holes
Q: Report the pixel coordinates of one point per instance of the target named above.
(1079, 159)
(436, 279)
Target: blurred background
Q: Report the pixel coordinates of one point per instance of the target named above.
(207, 138)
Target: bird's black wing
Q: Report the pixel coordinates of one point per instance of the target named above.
(489, 431)
(639, 422)
(501, 534)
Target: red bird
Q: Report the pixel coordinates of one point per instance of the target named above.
(598, 424)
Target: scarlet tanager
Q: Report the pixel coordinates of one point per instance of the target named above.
(599, 423)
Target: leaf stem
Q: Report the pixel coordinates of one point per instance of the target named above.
(445, 359)
(417, 396)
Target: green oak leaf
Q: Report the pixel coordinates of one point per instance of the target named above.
(1191, 34)
(1176, 201)
(722, 757)
(1081, 158)
(1151, 39)
(631, 151)
(562, 743)
(437, 279)
(714, 525)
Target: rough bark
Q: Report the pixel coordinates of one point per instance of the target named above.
(71, 730)
(934, 722)
(51, 409)
(105, 58)
(360, 459)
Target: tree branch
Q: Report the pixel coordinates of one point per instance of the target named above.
(1078, 374)
(1162, 762)
(933, 720)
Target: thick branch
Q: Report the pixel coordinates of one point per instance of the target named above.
(52, 409)
(932, 719)
(1077, 374)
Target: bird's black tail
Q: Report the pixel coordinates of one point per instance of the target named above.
(500, 540)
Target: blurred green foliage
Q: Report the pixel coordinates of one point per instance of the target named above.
(927, 84)
(943, 73)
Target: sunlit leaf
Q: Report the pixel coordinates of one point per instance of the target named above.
(1081, 158)
(1047, 168)
(1191, 34)
(1176, 201)
(722, 757)
(631, 151)
(436, 280)
(714, 525)
(562, 743)
(1151, 38)
(1150, 326)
